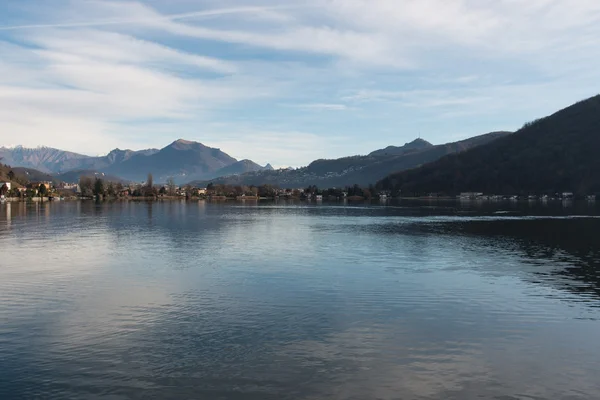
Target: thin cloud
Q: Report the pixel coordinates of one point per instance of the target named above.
(148, 19)
(101, 74)
(323, 107)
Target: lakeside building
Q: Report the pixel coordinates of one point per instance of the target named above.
(470, 195)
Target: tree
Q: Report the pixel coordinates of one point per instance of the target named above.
(99, 187)
(4, 190)
(266, 191)
(171, 187)
(42, 190)
(148, 189)
(86, 185)
(188, 192)
(110, 189)
(11, 175)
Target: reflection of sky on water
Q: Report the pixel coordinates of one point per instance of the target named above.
(133, 300)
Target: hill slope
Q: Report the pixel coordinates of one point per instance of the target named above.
(554, 154)
(32, 175)
(362, 170)
(415, 145)
(7, 176)
(73, 176)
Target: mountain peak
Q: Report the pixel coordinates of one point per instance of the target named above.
(418, 143)
(183, 141)
(182, 144)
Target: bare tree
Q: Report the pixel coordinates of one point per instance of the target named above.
(171, 187)
(149, 188)
(110, 189)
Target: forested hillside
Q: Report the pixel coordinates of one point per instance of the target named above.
(554, 154)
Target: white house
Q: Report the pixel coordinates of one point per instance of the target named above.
(470, 195)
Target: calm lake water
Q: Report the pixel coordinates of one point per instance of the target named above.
(276, 301)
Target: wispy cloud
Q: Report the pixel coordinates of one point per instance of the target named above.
(147, 17)
(96, 74)
(323, 107)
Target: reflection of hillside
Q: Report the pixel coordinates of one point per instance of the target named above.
(572, 243)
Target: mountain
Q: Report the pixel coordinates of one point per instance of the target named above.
(117, 155)
(242, 167)
(362, 170)
(45, 159)
(182, 160)
(415, 145)
(558, 153)
(102, 162)
(55, 161)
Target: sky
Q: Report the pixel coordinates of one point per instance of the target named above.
(287, 82)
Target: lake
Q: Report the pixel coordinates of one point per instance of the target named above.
(195, 300)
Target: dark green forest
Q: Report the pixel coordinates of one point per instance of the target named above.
(554, 154)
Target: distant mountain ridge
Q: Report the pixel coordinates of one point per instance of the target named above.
(44, 159)
(56, 161)
(242, 167)
(192, 162)
(182, 160)
(361, 170)
(558, 153)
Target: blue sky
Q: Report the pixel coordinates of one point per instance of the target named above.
(287, 82)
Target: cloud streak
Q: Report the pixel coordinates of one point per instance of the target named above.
(97, 74)
(150, 18)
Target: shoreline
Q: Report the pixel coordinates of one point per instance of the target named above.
(223, 199)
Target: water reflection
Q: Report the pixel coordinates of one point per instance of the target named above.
(568, 248)
(186, 300)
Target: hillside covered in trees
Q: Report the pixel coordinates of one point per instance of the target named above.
(554, 154)
(8, 175)
(361, 170)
